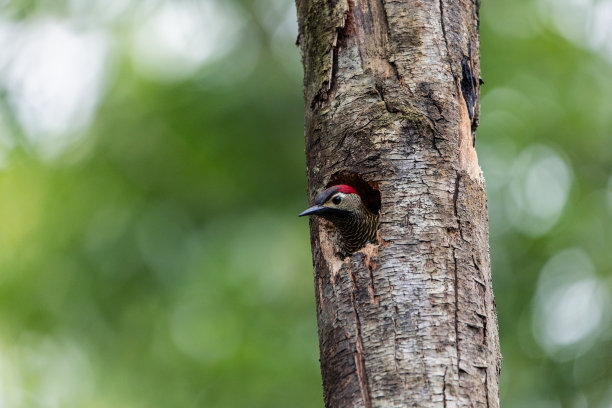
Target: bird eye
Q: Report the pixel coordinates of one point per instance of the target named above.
(336, 200)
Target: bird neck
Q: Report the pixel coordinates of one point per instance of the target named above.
(357, 228)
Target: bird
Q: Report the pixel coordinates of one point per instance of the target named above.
(342, 205)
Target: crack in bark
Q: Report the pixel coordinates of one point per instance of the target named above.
(373, 298)
(329, 85)
(484, 330)
(456, 312)
(481, 282)
(353, 132)
(320, 289)
(420, 348)
(444, 387)
(358, 354)
(385, 24)
(384, 18)
(435, 145)
(486, 385)
(392, 64)
(373, 44)
(335, 51)
(432, 125)
(455, 206)
(381, 95)
(396, 71)
(475, 264)
(324, 93)
(369, 262)
(448, 54)
(456, 196)
(395, 341)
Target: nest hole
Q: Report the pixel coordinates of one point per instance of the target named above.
(367, 190)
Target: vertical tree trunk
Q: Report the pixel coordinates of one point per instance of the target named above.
(392, 102)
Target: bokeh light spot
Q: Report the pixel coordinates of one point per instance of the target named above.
(569, 304)
(539, 189)
(586, 23)
(54, 76)
(180, 36)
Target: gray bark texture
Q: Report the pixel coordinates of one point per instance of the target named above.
(392, 102)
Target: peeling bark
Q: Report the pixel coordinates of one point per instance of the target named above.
(391, 92)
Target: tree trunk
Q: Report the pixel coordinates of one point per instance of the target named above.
(392, 102)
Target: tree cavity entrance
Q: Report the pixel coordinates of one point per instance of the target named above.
(367, 190)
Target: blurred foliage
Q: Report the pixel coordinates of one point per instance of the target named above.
(135, 265)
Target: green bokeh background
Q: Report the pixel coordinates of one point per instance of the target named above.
(151, 256)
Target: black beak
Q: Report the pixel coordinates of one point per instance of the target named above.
(314, 210)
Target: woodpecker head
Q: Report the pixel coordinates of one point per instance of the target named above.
(335, 202)
(342, 206)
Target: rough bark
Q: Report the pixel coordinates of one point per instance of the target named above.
(392, 102)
